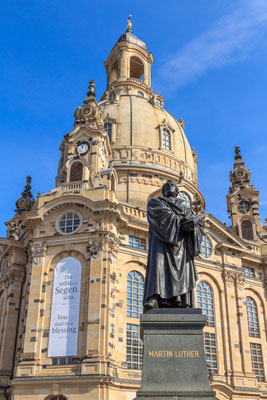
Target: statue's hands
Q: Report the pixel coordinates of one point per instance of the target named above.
(189, 224)
(199, 218)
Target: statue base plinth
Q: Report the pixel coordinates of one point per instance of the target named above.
(174, 364)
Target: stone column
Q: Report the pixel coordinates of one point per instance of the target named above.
(31, 351)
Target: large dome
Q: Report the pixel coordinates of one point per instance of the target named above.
(148, 144)
(138, 124)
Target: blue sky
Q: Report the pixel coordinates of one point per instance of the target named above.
(210, 62)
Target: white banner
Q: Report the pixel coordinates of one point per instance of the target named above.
(64, 322)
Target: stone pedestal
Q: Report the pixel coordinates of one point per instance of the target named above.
(174, 365)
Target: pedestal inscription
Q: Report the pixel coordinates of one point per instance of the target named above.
(174, 365)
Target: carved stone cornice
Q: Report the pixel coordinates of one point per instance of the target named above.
(14, 273)
(3, 248)
(37, 251)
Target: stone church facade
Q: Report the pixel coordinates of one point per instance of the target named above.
(73, 261)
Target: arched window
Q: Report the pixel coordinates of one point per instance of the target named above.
(108, 130)
(135, 291)
(205, 301)
(186, 199)
(136, 68)
(76, 172)
(206, 247)
(247, 230)
(252, 317)
(114, 72)
(166, 139)
(134, 345)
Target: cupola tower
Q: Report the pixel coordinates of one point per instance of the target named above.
(243, 202)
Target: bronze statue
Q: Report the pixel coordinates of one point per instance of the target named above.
(175, 236)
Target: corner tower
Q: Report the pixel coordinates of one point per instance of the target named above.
(243, 202)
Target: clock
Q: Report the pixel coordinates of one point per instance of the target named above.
(83, 148)
(244, 206)
(240, 173)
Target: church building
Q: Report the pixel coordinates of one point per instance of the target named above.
(73, 262)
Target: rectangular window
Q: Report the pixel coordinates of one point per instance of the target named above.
(257, 361)
(108, 130)
(250, 272)
(211, 352)
(166, 139)
(137, 242)
(134, 347)
(147, 176)
(62, 360)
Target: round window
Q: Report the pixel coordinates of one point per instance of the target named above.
(69, 222)
(158, 102)
(112, 96)
(140, 94)
(244, 206)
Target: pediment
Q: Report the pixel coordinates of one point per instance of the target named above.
(85, 132)
(223, 236)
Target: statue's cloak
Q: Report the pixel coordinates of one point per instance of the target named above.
(174, 239)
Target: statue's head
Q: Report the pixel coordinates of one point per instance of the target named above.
(170, 189)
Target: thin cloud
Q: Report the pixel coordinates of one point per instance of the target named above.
(232, 39)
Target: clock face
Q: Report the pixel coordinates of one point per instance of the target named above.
(244, 206)
(240, 173)
(83, 148)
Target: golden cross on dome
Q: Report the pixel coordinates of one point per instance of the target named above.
(129, 24)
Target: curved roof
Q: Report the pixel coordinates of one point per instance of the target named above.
(138, 123)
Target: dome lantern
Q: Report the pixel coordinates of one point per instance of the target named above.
(129, 63)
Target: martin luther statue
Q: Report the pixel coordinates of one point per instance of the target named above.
(175, 235)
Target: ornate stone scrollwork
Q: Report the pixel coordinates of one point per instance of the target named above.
(94, 247)
(38, 251)
(89, 111)
(229, 277)
(232, 277)
(14, 230)
(97, 244)
(240, 280)
(113, 241)
(26, 202)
